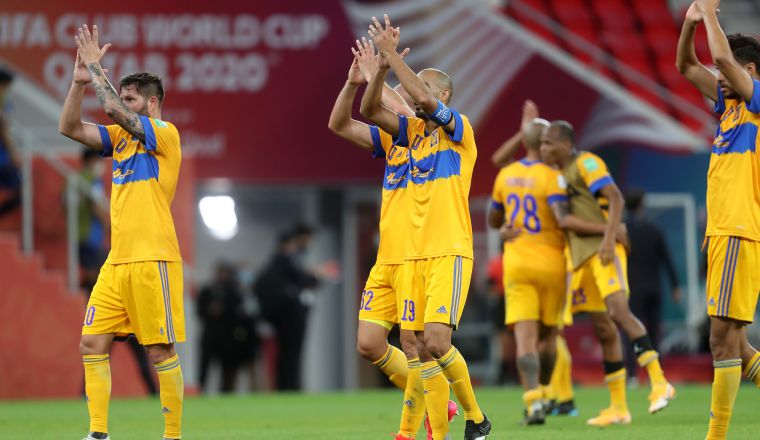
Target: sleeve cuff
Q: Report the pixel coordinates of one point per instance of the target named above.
(497, 205)
(754, 104)
(377, 143)
(105, 139)
(554, 198)
(720, 104)
(150, 134)
(458, 127)
(600, 183)
(402, 140)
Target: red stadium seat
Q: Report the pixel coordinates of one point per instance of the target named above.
(615, 15)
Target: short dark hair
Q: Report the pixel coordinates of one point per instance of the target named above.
(295, 231)
(6, 76)
(634, 198)
(565, 130)
(148, 84)
(745, 49)
(89, 154)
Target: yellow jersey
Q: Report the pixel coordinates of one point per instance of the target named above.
(441, 173)
(525, 190)
(394, 211)
(733, 179)
(142, 189)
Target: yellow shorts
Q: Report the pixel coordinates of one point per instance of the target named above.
(534, 286)
(379, 301)
(144, 298)
(434, 290)
(593, 282)
(733, 278)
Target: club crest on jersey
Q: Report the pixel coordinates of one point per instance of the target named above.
(121, 145)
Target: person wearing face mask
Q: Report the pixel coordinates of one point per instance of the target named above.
(279, 290)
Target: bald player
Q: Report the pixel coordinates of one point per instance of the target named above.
(442, 156)
(534, 263)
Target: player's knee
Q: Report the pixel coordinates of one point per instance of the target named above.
(370, 348)
(437, 345)
(409, 344)
(92, 344)
(158, 353)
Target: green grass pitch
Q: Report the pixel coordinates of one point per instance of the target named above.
(369, 415)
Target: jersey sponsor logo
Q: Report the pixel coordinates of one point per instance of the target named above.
(712, 302)
(441, 309)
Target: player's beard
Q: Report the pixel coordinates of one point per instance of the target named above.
(144, 110)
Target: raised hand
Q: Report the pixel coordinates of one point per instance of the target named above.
(80, 71)
(694, 14)
(365, 55)
(530, 112)
(385, 39)
(87, 44)
(355, 75)
(707, 5)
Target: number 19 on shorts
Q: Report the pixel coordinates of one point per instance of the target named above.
(408, 314)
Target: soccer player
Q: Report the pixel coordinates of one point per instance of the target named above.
(599, 281)
(534, 264)
(442, 157)
(378, 308)
(558, 394)
(733, 229)
(139, 289)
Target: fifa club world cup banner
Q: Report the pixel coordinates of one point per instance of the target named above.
(249, 84)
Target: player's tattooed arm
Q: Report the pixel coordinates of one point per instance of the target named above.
(90, 54)
(687, 62)
(569, 222)
(113, 105)
(739, 79)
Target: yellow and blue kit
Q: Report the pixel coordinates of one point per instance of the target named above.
(733, 210)
(591, 281)
(139, 289)
(534, 263)
(440, 244)
(380, 299)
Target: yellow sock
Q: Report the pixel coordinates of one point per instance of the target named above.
(728, 375)
(753, 367)
(414, 401)
(650, 360)
(393, 363)
(562, 377)
(455, 369)
(548, 393)
(436, 399)
(97, 379)
(616, 384)
(172, 390)
(530, 396)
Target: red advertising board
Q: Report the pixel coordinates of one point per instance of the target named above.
(248, 84)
